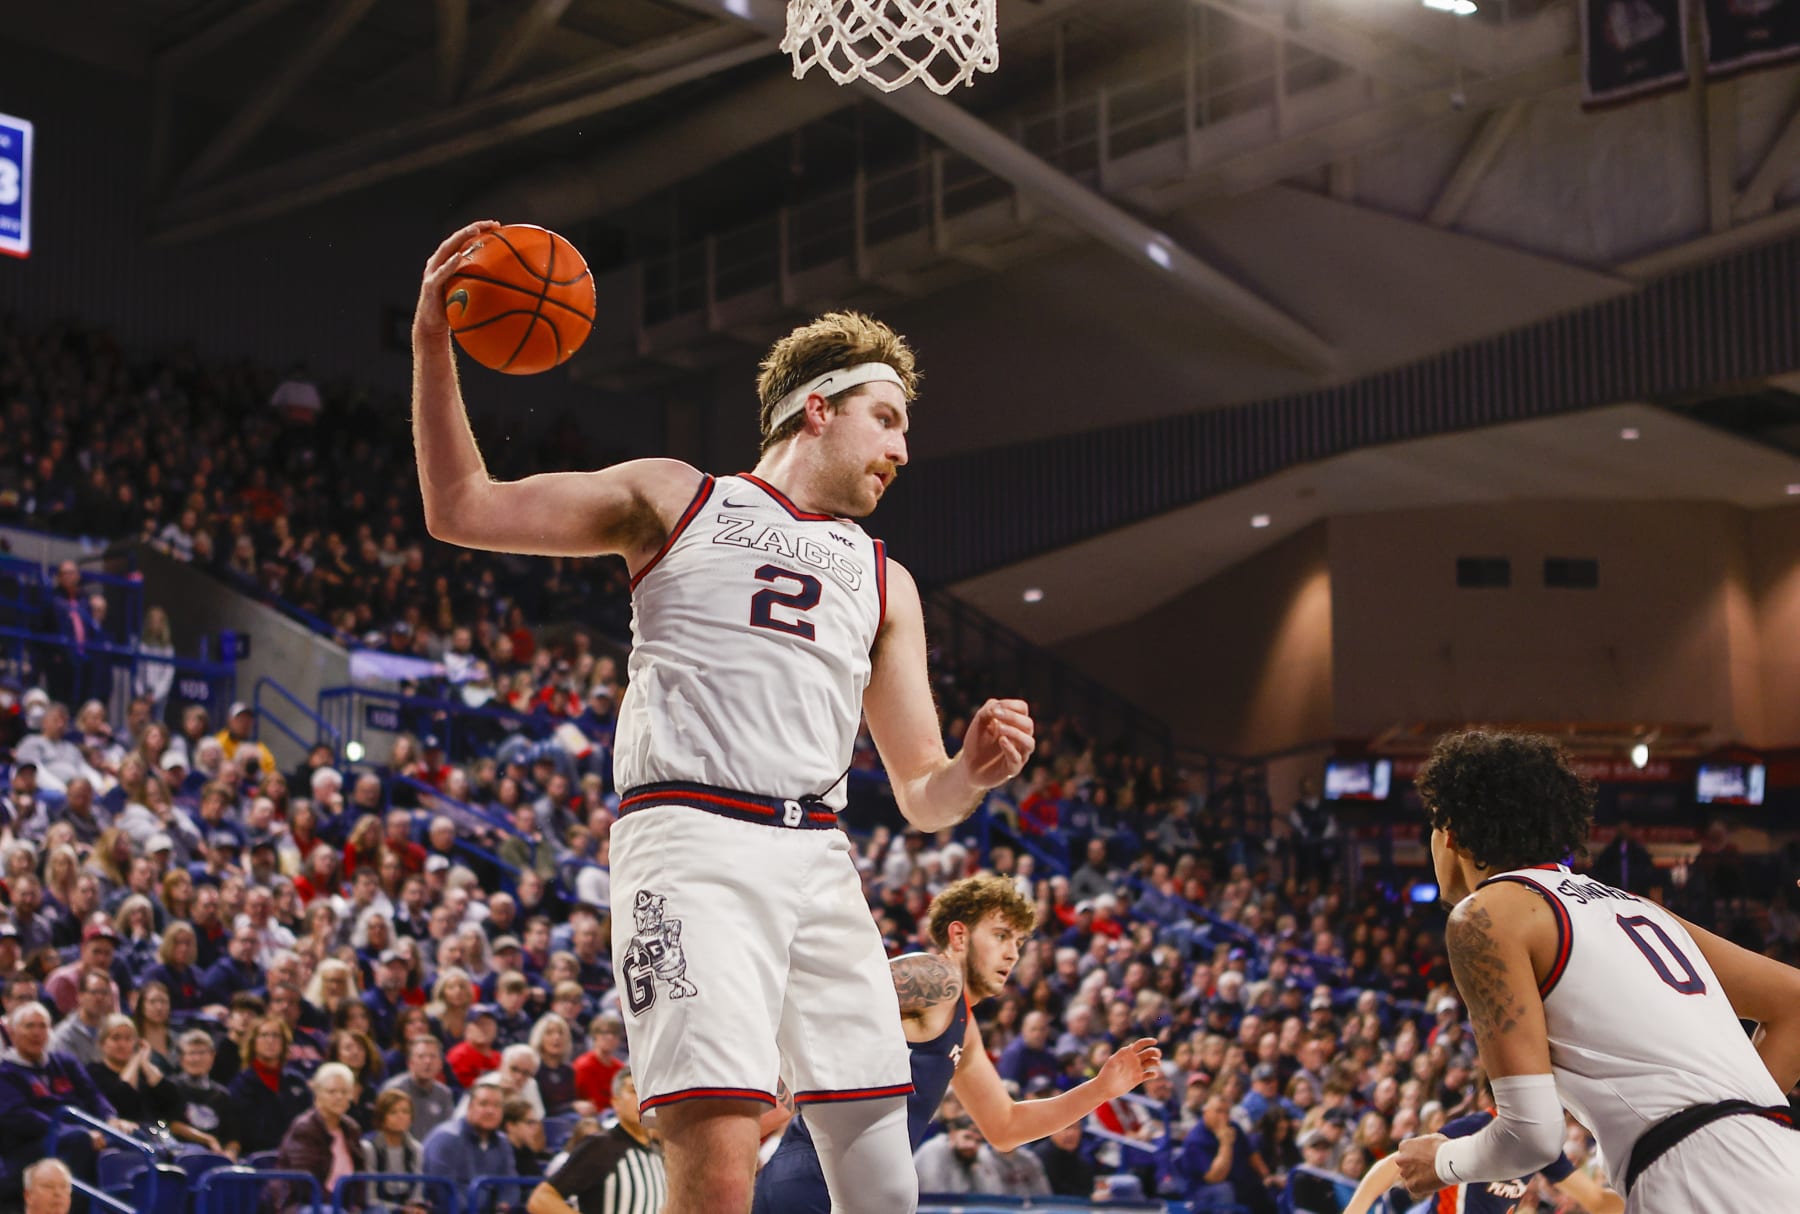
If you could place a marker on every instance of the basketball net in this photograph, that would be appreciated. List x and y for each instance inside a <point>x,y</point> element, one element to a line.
<point>892,43</point>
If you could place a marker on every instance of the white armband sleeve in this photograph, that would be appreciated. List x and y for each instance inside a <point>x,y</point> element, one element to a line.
<point>1525,1135</point>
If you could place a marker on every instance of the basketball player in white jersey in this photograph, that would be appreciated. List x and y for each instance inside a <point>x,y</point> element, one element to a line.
<point>1586,996</point>
<point>765,625</point>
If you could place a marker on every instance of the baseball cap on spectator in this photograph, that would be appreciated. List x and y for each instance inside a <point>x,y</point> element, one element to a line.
<point>99,929</point>
<point>1314,1137</point>
<point>1039,1083</point>
<point>436,864</point>
<point>174,760</point>
<point>1340,1116</point>
<point>158,842</point>
<point>1321,998</point>
<point>222,838</point>
<point>37,696</point>
<point>431,742</point>
<point>502,943</point>
<point>1447,1004</point>
<point>1264,1071</point>
<point>9,931</point>
<point>393,954</point>
<point>484,1009</point>
<point>1197,1080</point>
<point>261,840</point>
<point>239,707</point>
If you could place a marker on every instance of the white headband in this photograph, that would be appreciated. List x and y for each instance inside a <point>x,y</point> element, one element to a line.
<point>841,380</point>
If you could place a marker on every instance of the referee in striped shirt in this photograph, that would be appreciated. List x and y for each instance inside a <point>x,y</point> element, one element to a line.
<point>618,1171</point>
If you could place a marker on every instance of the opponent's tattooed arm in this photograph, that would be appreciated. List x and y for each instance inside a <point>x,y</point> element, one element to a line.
<point>923,982</point>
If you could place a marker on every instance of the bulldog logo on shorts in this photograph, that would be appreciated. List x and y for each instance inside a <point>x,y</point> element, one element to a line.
<point>654,952</point>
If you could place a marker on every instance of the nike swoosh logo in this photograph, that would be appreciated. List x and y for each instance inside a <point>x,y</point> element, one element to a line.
<point>738,505</point>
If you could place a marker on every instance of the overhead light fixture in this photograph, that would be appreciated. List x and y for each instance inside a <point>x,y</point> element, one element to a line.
<point>353,751</point>
<point>1259,521</point>
<point>738,8</point>
<point>1640,756</point>
<point>1794,490</point>
<point>1033,594</point>
<point>1629,434</point>
<point>1460,8</point>
<point>1158,251</point>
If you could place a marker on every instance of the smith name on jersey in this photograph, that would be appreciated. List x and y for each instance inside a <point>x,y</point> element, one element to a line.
<point>752,631</point>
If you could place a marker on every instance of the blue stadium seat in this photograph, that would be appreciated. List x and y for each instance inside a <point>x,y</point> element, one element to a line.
<point>171,1191</point>
<point>117,1169</point>
<point>558,1128</point>
<point>198,1163</point>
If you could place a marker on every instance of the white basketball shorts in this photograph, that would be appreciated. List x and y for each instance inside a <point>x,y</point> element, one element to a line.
<point>745,952</point>
<point>1738,1165</point>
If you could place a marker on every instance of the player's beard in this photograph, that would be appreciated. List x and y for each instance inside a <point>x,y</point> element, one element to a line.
<point>979,980</point>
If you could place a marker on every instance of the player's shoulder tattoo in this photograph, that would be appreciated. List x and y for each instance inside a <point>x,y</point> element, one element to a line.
<point>924,981</point>
<point>1480,970</point>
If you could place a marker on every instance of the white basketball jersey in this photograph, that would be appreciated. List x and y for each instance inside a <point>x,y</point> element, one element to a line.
<point>1639,1025</point>
<point>751,637</point>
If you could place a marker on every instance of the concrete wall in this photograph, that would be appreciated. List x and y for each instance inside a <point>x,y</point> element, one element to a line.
<point>280,649</point>
<point>1653,643</point>
<point>1241,664</point>
<point>1775,566</point>
<point>1357,624</point>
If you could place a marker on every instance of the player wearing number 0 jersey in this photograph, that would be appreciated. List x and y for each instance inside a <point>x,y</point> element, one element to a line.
<point>767,625</point>
<point>1586,996</point>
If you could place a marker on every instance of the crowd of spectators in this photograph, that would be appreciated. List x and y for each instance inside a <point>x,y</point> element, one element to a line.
<point>405,966</point>
<point>292,494</point>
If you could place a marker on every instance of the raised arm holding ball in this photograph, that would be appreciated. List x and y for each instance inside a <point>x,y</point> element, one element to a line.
<point>766,624</point>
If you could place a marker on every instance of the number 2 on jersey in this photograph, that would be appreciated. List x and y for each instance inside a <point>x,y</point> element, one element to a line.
<point>1636,926</point>
<point>764,602</point>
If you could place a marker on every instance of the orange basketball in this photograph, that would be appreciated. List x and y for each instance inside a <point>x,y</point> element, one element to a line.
<point>522,301</point>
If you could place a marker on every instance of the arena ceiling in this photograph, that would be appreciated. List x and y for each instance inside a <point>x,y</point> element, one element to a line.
<point>1235,199</point>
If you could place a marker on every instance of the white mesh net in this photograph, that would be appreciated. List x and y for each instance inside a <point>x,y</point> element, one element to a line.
<point>892,43</point>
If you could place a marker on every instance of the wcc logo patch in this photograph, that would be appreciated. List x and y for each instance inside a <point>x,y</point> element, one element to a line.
<point>654,954</point>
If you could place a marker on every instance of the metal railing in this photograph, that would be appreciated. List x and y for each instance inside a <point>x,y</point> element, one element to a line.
<point>413,1180</point>
<point>353,713</point>
<point>106,671</point>
<point>86,1121</point>
<point>1228,71</point>
<point>213,1191</point>
<point>323,730</point>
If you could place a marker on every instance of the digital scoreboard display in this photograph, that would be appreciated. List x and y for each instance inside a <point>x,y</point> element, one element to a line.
<point>15,186</point>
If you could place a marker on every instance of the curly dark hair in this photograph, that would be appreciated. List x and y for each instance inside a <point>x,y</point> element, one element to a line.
<point>1511,799</point>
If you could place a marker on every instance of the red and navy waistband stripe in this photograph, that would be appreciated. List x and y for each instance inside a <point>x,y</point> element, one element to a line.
<point>843,1095</point>
<point>881,580</point>
<point>729,803</point>
<point>1565,931</point>
<point>656,1102</point>
<point>786,503</point>
<point>687,516</point>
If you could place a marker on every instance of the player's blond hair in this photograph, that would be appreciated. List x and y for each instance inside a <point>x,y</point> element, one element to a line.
<point>833,341</point>
<point>973,899</point>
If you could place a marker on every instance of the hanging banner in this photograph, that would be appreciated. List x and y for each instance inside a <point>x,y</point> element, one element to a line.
<point>1743,34</point>
<point>1630,48</point>
<point>15,186</point>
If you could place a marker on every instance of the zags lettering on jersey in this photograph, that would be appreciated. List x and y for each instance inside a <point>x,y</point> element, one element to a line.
<point>736,532</point>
